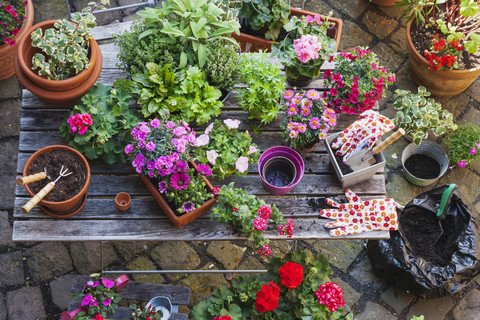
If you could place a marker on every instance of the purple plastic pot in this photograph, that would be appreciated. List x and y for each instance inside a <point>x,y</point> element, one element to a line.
<point>280,168</point>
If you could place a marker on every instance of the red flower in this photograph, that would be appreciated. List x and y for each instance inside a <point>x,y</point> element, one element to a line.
<point>331,295</point>
<point>98,317</point>
<point>291,274</point>
<point>222,318</point>
<point>215,191</point>
<point>8,8</point>
<point>267,297</point>
<point>15,31</point>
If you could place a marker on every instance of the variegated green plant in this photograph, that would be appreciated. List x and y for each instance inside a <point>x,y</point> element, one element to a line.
<point>192,23</point>
<point>65,47</point>
<point>418,114</point>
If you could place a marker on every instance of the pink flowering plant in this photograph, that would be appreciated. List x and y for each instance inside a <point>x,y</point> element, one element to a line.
<point>357,82</point>
<point>250,215</point>
<point>463,145</point>
<point>306,47</point>
<point>12,14</point>
<point>99,296</point>
<point>227,150</point>
<point>160,150</point>
<point>99,125</point>
<point>307,120</point>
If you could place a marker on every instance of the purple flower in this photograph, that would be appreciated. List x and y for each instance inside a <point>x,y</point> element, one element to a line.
<point>144,128</point>
<point>150,146</point>
<point>87,299</point>
<point>151,165</point>
<point>302,128</point>
<point>162,187</point>
<point>141,144</point>
<point>181,166</point>
<point>288,94</point>
<point>179,131</point>
<point>292,109</point>
<point>188,206</point>
<point>151,174</point>
<point>179,181</point>
<point>160,161</point>
<point>155,123</point>
<point>473,151</point>
<point>107,302</point>
<point>305,111</point>
<point>314,123</point>
<point>108,283</point>
<point>128,148</point>
<point>170,124</point>
<point>462,163</point>
<point>478,145</point>
<point>172,158</point>
<point>204,170</point>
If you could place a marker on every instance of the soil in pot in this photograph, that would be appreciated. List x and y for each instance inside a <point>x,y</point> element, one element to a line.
<point>423,166</point>
<point>421,228</point>
<point>346,169</point>
<point>66,187</point>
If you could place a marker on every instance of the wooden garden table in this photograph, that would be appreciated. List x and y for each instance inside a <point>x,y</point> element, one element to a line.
<point>101,221</point>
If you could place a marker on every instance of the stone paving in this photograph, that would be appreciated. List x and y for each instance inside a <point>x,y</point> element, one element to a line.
<point>41,273</point>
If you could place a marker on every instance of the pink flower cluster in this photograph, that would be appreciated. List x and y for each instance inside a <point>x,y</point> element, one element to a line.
<point>307,48</point>
<point>264,212</point>
<point>79,122</point>
<point>316,18</point>
<point>473,151</point>
<point>288,228</point>
<point>9,14</point>
<point>331,295</point>
<point>265,250</point>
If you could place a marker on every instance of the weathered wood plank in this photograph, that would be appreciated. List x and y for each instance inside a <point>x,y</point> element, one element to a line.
<point>101,33</point>
<point>155,230</point>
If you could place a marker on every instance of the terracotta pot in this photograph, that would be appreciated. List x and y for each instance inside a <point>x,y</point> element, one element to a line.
<point>186,218</point>
<point>250,43</point>
<point>385,3</point>
<point>7,53</point>
<point>123,200</point>
<point>58,92</point>
<point>67,208</point>
<point>441,83</point>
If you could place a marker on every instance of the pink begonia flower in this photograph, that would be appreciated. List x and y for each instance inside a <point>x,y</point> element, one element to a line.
<point>212,156</point>
<point>209,128</point>
<point>232,124</point>
<point>462,163</point>
<point>241,164</point>
<point>108,283</point>
<point>202,140</point>
<point>318,18</point>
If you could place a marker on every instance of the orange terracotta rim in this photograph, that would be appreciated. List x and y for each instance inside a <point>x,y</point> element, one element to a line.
<point>79,195</point>
<point>69,213</point>
<point>25,47</point>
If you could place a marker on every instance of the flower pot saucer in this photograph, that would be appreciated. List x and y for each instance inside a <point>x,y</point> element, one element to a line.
<point>67,214</point>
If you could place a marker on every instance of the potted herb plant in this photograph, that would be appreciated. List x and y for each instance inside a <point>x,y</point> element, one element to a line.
<point>16,18</point>
<point>357,82</point>
<point>226,149</point>
<point>441,38</point>
<point>265,87</point>
<point>305,48</point>
<point>100,124</point>
<point>307,120</point>
<point>463,145</point>
<point>249,215</point>
<point>160,153</point>
<point>294,287</point>
<point>59,60</point>
<point>417,115</point>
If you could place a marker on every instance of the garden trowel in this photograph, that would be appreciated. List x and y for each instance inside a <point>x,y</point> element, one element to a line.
<point>364,157</point>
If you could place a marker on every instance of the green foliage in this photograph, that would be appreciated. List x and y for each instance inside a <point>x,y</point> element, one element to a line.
<point>265,87</point>
<point>230,7</point>
<point>460,143</point>
<point>242,217</point>
<point>185,93</point>
<point>222,65</point>
<point>191,23</point>
<point>417,318</point>
<point>139,313</point>
<point>135,54</point>
<point>266,13</point>
<point>112,120</point>
<point>65,47</point>
<point>230,145</point>
<point>417,114</point>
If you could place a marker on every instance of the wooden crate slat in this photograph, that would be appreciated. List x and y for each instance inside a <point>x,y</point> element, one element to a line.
<point>155,230</point>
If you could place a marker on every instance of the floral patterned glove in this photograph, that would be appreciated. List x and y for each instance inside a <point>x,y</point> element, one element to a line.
<point>360,216</point>
<point>363,132</point>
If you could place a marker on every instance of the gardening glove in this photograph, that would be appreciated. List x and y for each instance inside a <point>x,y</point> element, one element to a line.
<point>362,133</point>
<point>358,216</point>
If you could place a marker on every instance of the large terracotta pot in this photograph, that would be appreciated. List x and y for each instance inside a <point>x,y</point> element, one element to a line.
<point>70,207</point>
<point>7,53</point>
<point>58,92</point>
<point>250,43</point>
<point>186,218</point>
<point>442,83</point>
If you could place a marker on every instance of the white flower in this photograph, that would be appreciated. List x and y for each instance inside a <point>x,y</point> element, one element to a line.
<point>232,124</point>
<point>209,128</point>
<point>252,149</point>
<point>242,164</point>
<point>202,140</point>
<point>212,156</point>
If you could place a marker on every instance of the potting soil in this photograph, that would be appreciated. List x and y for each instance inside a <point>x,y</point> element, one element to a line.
<point>421,228</point>
<point>423,166</point>
<point>66,187</point>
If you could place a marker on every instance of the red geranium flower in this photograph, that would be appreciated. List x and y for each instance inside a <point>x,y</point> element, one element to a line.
<point>291,274</point>
<point>267,297</point>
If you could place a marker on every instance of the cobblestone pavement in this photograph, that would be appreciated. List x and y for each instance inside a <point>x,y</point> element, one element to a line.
<point>41,273</point>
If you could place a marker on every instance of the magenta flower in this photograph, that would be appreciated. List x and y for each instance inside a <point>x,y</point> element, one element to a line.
<point>151,165</point>
<point>188,206</point>
<point>478,145</point>
<point>305,111</point>
<point>336,77</point>
<point>144,128</point>
<point>314,123</point>
<point>181,166</point>
<point>313,94</point>
<point>179,181</point>
<point>293,134</point>
<point>204,170</point>
<point>162,187</point>
<point>259,223</point>
<point>83,129</point>
<point>108,283</point>
<point>179,131</point>
<point>318,18</point>
<point>333,92</point>
<point>107,302</point>
<point>473,151</point>
<point>87,299</point>
<point>242,164</point>
<point>170,124</point>
<point>302,128</point>
<point>288,94</point>
<point>292,110</point>
<point>150,146</point>
<point>462,163</point>
<point>155,123</point>
<point>128,148</point>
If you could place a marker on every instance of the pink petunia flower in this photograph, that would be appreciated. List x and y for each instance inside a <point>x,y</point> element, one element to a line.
<point>202,140</point>
<point>232,124</point>
<point>241,164</point>
<point>209,128</point>
<point>212,156</point>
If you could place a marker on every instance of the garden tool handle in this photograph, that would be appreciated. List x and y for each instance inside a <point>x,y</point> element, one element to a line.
<point>36,198</point>
<point>385,143</point>
<point>31,178</point>
<point>446,197</point>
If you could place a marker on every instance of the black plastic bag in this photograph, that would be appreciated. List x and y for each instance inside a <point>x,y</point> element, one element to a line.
<point>394,261</point>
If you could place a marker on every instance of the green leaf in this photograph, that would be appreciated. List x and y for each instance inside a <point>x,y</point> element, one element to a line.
<point>201,55</point>
<point>183,60</point>
<point>174,32</point>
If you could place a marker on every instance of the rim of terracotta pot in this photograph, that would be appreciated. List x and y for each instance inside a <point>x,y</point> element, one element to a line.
<point>52,85</point>
<point>417,56</point>
<point>78,196</point>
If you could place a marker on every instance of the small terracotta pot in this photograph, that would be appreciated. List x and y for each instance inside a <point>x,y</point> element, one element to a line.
<point>441,83</point>
<point>385,3</point>
<point>123,200</point>
<point>7,53</point>
<point>70,207</point>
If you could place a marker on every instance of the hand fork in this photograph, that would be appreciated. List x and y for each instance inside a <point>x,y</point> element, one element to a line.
<point>42,193</point>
